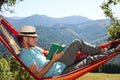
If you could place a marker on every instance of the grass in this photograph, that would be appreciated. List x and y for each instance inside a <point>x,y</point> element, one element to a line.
<point>100,76</point>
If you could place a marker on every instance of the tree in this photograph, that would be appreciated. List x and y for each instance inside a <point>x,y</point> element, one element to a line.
<point>114,28</point>
<point>6,4</point>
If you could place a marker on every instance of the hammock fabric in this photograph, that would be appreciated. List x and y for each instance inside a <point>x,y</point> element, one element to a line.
<point>9,37</point>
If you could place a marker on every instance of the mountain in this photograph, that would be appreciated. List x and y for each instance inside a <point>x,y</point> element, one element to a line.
<point>65,29</point>
<point>45,20</point>
<point>72,20</point>
<point>91,31</point>
<point>13,20</point>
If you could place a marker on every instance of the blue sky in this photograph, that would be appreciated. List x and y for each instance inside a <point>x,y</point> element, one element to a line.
<point>58,8</point>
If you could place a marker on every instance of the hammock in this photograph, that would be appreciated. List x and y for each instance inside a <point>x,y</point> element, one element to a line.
<point>9,37</point>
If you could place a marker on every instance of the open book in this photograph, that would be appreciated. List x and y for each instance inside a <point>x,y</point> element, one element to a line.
<point>53,48</point>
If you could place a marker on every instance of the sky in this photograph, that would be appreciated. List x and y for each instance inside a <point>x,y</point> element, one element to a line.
<point>58,8</point>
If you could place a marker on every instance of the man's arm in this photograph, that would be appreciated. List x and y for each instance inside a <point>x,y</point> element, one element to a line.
<point>41,72</point>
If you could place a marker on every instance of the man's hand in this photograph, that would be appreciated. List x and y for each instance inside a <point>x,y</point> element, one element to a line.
<point>56,56</point>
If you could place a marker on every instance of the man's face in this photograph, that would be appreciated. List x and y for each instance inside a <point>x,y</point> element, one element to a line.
<point>31,41</point>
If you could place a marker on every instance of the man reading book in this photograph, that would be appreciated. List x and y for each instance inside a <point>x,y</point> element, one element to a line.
<point>60,63</point>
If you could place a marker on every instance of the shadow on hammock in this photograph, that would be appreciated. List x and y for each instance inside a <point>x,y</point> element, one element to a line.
<point>9,37</point>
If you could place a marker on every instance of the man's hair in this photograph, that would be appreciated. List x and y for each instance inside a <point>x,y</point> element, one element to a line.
<point>21,38</point>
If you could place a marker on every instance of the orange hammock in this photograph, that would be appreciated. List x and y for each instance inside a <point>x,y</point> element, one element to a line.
<point>9,37</point>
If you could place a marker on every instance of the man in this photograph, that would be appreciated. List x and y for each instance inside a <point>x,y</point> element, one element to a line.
<point>60,63</point>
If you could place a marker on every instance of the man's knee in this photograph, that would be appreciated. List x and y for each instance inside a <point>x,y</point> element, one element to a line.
<point>77,41</point>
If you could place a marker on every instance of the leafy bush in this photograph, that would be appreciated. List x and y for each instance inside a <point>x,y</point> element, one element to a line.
<point>111,68</point>
<point>10,69</point>
<point>5,73</point>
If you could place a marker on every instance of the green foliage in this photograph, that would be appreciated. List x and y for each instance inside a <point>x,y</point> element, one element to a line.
<point>110,68</point>
<point>8,3</point>
<point>10,69</point>
<point>114,28</point>
<point>5,73</point>
<point>114,32</point>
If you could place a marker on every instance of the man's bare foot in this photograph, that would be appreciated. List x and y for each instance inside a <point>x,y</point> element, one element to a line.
<point>118,48</point>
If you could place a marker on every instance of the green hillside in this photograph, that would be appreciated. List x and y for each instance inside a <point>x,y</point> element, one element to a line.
<point>100,76</point>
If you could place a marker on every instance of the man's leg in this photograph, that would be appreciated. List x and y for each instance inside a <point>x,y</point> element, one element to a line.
<point>88,60</point>
<point>70,53</point>
<point>94,58</point>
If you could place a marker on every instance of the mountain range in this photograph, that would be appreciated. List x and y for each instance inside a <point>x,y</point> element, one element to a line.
<point>64,30</point>
<point>45,20</point>
<point>71,26</point>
